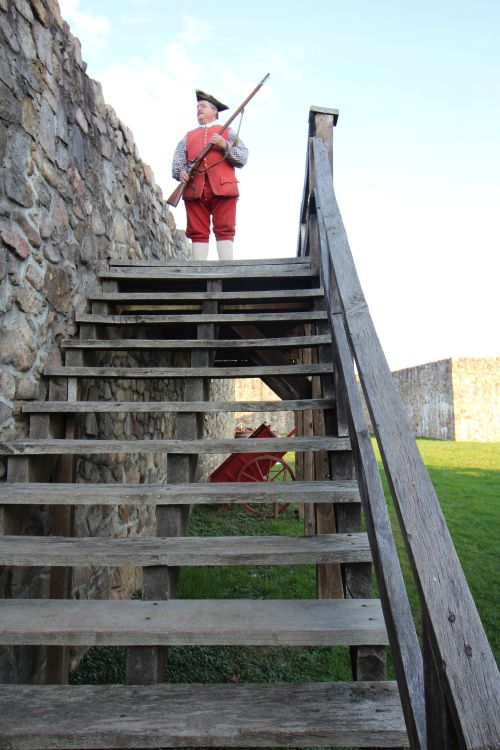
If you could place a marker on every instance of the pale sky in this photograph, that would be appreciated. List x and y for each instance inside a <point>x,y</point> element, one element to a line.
<point>417,155</point>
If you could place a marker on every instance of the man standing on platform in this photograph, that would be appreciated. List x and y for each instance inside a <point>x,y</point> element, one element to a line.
<point>212,189</point>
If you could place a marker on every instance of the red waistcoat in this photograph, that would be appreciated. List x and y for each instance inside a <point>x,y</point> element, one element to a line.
<point>220,174</point>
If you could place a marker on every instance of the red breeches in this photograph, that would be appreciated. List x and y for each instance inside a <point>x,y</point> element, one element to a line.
<point>221,209</point>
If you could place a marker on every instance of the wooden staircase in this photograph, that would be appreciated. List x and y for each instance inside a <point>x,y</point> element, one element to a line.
<point>204,310</point>
<point>302,325</point>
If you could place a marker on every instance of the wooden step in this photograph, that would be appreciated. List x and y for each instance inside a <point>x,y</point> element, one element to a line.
<point>81,717</point>
<point>247,371</point>
<point>150,344</point>
<point>215,264</point>
<point>84,407</point>
<point>216,493</point>
<point>43,447</point>
<point>195,319</point>
<point>290,270</point>
<point>187,551</point>
<point>266,295</point>
<point>196,622</point>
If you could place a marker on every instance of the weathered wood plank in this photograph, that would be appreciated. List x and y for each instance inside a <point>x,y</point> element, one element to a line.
<point>149,344</point>
<point>214,264</point>
<point>29,447</point>
<point>189,551</point>
<point>188,372</point>
<point>181,494</point>
<point>186,622</point>
<point>224,272</point>
<point>468,671</point>
<point>190,296</point>
<point>96,717</point>
<point>82,407</point>
<point>190,319</point>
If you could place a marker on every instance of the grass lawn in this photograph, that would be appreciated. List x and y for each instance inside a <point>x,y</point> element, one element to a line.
<point>466,477</point>
<point>467,480</point>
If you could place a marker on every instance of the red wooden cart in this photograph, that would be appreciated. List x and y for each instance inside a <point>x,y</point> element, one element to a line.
<point>257,467</point>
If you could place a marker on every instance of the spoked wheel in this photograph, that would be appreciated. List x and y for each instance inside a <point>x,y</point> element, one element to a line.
<point>266,468</point>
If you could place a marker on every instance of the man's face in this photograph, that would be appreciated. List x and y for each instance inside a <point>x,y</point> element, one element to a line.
<point>205,112</point>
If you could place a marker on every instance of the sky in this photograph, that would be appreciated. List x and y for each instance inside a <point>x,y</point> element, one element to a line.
<point>416,147</point>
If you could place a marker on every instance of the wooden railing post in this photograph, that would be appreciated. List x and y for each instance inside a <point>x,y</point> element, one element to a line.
<point>321,124</point>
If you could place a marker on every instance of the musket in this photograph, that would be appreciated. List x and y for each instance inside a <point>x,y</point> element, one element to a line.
<point>177,194</point>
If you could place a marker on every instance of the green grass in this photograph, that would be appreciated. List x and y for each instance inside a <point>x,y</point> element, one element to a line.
<point>466,477</point>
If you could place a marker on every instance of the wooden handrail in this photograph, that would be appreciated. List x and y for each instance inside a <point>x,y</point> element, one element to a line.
<point>464,712</point>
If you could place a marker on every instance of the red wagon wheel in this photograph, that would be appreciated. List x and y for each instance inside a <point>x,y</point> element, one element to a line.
<point>266,468</point>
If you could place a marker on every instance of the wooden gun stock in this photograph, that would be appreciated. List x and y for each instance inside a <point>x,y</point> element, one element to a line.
<point>174,199</point>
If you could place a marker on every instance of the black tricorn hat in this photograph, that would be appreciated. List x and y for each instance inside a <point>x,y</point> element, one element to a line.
<point>202,95</point>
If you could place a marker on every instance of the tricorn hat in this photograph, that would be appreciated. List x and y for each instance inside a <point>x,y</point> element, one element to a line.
<point>202,95</point>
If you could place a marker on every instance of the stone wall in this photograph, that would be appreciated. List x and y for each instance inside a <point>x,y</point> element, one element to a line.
<point>74,193</point>
<point>427,393</point>
<point>453,399</point>
<point>476,396</point>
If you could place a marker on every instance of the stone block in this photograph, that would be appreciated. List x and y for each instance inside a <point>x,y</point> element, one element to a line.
<point>7,296</point>
<point>43,43</point>
<point>17,341</point>
<point>47,132</point>
<point>10,36</point>
<point>81,120</point>
<point>59,287</point>
<point>14,240</point>
<point>29,301</point>
<point>7,384</point>
<point>10,107</point>
<point>24,9</point>
<point>76,148</point>
<point>25,38</point>
<point>62,159</point>
<point>35,275</point>
<point>30,118</point>
<point>26,388</point>
<point>105,147</point>
<point>59,213</point>
<point>40,12</point>
<point>17,187</point>
<point>62,125</point>
<point>29,230</point>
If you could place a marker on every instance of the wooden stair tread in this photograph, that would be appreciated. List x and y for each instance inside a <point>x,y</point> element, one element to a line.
<point>247,371</point>
<point>215,264</point>
<point>192,622</point>
<point>42,446</point>
<point>187,551</point>
<point>268,295</point>
<point>195,318</point>
<point>209,272</point>
<point>83,407</point>
<point>47,493</point>
<point>264,343</point>
<point>81,717</point>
